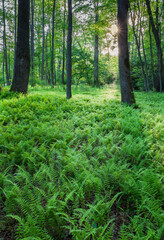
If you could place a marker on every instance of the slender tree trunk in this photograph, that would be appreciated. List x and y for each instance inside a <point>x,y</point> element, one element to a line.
<point>22,59</point>
<point>139,53</point>
<point>46,60</point>
<point>63,66</point>
<point>9,64</point>
<point>160,82</point>
<point>43,41</point>
<point>151,54</point>
<point>52,50</point>
<point>4,43</point>
<point>69,50</point>
<point>96,51</point>
<point>157,17</point>
<point>4,72</point>
<point>127,95</point>
<point>143,48</point>
<point>32,42</point>
<point>15,27</point>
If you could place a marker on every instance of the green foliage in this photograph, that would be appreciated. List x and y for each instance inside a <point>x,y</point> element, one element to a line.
<point>87,168</point>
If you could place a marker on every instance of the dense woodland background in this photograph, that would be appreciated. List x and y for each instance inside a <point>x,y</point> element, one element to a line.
<point>90,19</point>
<point>87,167</point>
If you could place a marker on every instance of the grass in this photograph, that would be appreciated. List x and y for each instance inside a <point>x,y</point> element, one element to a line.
<point>85,168</point>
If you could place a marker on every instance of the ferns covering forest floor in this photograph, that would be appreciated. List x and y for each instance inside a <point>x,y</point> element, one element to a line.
<point>85,168</point>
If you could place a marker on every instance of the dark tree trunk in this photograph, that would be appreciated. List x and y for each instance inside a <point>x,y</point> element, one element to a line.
<point>22,59</point>
<point>52,50</point>
<point>4,71</point>
<point>151,54</point>
<point>32,42</point>
<point>127,95</point>
<point>4,44</point>
<point>159,83</point>
<point>96,51</point>
<point>9,72</point>
<point>69,50</point>
<point>43,41</point>
<point>46,60</point>
<point>63,67</point>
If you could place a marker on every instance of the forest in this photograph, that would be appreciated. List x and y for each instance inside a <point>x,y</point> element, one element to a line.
<point>81,120</point>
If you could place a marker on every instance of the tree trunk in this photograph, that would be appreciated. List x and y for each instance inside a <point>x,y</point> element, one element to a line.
<point>151,54</point>
<point>96,51</point>
<point>15,26</point>
<point>4,43</point>
<point>69,50</point>
<point>63,67</point>
<point>127,95</point>
<point>4,72</point>
<point>139,53</point>
<point>43,41</point>
<point>159,83</point>
<point>52,50</point>
<point>46,60</point>
<point>22,59</point>
<point>143,48</point>
<point>32,42</point>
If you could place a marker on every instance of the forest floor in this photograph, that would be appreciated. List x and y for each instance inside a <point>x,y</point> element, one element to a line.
<point>84,168</point>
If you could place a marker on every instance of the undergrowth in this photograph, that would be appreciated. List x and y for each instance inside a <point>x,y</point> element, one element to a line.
<point>85,168</point>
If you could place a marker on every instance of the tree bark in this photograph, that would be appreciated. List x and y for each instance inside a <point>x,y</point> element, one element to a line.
<point>15,27</point>
<point>69,50</point>
<point>159,83</point>
<point>4,43</point>
<point>46,73</point>
<point>139,53</point>
<point>127,95</point>
<point>96,50</point>
<point>43,41</point>
<point>4,72</point>
<point>32,42</point>
<point>151,54</point>
<point>52,50</point>
<point>63,66</point>
<point>22,59</point>
<point>143,48</point>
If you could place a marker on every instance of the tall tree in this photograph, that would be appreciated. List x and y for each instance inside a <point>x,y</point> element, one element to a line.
<point>32,42</point>
<point>15,26</point>
<point>143,46</point>
<point>69,50</point>
<point>63,65</point>
<point>160,82</point>
<point>22,58</point>
<point>96,50</point>
<point>43,40</point>
<point>52,50</point>
<point>4,43</point>
<point>127,95</point>
<point>151,55</point>
<point>138,50</point>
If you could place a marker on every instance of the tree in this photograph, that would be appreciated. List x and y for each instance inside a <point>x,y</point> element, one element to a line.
<point>4,43</point>
<point>32,42</point>
<point>138,46</point>
<point>96,47</point>
<point>158,84</point>
<point>69,50</point>
<point>127,95</point>
<point>43,40</point>
<point>22,57</point>
<point>63,65</point>
<point>52,54</point>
